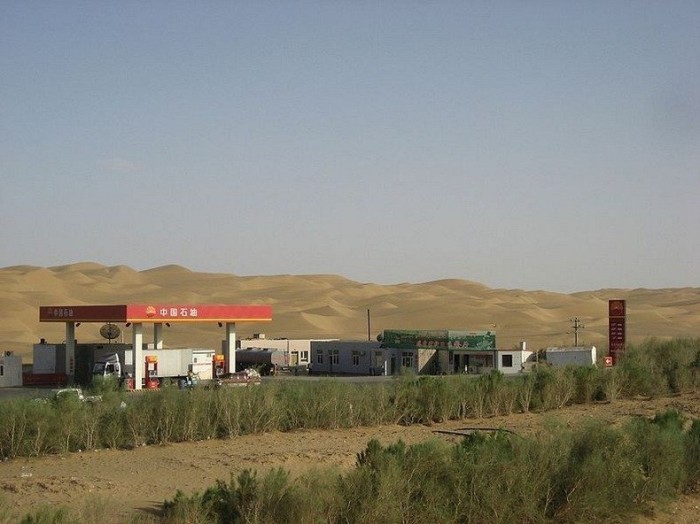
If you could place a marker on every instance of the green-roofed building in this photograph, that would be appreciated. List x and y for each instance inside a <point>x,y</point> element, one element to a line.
<point>441,351</point>
<point>439,339</point>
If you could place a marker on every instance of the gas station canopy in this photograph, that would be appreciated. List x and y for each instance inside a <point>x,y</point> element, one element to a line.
<point>136,315</point>
<point>132,313</point>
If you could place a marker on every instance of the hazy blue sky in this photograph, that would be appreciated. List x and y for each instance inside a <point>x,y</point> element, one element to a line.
<point>525,144</point>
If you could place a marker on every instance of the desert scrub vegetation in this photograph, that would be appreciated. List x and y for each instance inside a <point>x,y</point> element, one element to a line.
<point>124,420</point>
<point>595,473</point>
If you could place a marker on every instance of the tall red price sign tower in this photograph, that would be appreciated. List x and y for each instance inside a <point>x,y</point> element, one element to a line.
<point>617,333</point>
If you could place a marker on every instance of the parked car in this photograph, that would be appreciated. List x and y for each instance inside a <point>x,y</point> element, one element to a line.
<point>65,394</point>
<point>247,377</point>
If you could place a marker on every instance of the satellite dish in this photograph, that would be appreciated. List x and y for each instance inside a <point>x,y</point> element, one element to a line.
<point>110,331</point>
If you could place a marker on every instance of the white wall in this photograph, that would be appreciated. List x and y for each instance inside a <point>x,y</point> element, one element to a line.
<point>354,358</point>
<point>49,358</point>
<point>10,371</point>
<point>518,358</point>
<point>298,350</point>
<point>567,356</point>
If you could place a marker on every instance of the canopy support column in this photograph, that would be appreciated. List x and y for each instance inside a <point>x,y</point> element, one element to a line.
<point>137,352</point>
<point>158,335</point>
<point>230,347</point>
<point>70,351</point>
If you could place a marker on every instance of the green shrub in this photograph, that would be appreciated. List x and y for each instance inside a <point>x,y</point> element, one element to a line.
<point>15,424</point>
<point>660,447</point>
<point>185,509</point>
<point>433,400</point>
<point>525,387</point>
<point>692,455</point>
<point>599,480</point>
<point>597,473</point>
<point>247,499</point>
<point>50,515</point>
<point>588,384</point>
<point>7,514</point>
<point>612,383</point>
<point>640,376</point>
<point>657,367</point>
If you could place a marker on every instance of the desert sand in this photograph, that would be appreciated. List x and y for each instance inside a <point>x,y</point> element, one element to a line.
<point>330,306</point>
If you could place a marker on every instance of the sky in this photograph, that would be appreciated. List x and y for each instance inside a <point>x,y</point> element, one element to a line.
<point>530,145</point>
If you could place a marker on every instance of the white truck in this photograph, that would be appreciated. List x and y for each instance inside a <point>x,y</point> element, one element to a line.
<point>181,365</point>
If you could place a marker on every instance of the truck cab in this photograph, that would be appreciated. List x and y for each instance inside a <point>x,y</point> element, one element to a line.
<point>108,366</point>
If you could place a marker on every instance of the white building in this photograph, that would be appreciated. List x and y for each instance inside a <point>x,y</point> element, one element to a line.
<point>297,351</point>
<point>571,356</point>
<point>369,358</point>
<point>349,358</point>
<point>512,361</point>
<point>10,370</point>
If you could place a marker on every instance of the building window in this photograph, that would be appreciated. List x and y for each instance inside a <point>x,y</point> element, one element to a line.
<point>304,356</point>
<point>506,361</point>
<point>355,358</point>
<point>2,370</point>
<point>407,359</point>
<point>334,357</point>
<point>319,358</point>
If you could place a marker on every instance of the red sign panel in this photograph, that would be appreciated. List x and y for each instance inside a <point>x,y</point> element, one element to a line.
<point>617,308</point>
<point>197,313</point>
<point>156,313</point>
<point>617,333</point>
<point>82,314</point>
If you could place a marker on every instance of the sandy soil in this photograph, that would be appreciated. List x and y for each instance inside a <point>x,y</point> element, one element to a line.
<point>143,478</point>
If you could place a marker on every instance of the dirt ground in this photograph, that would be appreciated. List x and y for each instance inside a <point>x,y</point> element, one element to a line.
<point>143,478</point>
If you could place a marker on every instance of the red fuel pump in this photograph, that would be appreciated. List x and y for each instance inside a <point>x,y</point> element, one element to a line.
<point>219,364</point>
<point>151,372</point>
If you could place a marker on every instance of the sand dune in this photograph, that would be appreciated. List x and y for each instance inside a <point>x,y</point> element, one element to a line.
<point>326,306</point>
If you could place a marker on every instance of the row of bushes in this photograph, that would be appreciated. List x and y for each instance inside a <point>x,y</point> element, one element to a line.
<point>29,428</point>
<point>593,474</point>
<point>596,474</point>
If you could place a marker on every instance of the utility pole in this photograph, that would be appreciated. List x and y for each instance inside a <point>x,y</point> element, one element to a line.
<point>576,326</point>
<point>369,326</point>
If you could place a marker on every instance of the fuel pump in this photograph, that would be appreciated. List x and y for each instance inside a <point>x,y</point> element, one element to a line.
<point>151,374</point>
<point>219,364</point>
